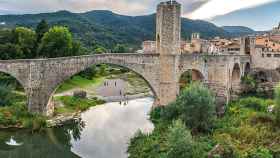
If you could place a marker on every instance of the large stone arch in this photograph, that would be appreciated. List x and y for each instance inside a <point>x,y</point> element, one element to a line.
<point>143,65</point>
<point>140,75</point>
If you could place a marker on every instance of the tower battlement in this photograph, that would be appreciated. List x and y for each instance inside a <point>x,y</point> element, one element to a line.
<point>168,28</point>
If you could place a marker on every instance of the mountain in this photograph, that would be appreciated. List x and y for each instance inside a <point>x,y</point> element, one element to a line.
<point>107,28</point>
<point>238,30</point>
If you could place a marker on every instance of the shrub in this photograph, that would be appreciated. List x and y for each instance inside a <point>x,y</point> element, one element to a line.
<point>197,107</point>
<point>179,141</point>
<point>74,103</point>
<point>250,83</point>
<point>253,103</point>
<point>262,118</point>
<point>259,153</point>
<point>277,102</point>
<point>6,94</point>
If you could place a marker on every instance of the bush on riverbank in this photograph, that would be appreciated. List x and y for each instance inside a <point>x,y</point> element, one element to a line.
<point>195,106</point>
<point>73,104</point>
<point>248,130</point>
<point>17,116</point>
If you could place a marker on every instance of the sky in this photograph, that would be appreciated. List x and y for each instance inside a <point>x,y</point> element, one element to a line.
<point>221,12</point>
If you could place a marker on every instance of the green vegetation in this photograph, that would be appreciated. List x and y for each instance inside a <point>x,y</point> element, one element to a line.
<point>247,130</point>
<point>57,42</point>
<point>23,43</point>
<point>277,102</point>
<point>73,104</point>
<point>6,94</point>
<point>14,112</point>
<point>79,82</point>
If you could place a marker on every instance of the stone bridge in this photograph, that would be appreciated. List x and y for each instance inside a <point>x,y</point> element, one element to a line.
<point>41,77</point>
<point>162,70</point>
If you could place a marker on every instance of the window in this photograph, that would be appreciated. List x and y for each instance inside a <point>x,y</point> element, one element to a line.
<point>263,55</point>
<point>277,55</point>
<point>268,55</point>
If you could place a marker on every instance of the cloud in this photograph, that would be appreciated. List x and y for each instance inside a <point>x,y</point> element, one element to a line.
<point>215,8</point>
<point>196,9</point>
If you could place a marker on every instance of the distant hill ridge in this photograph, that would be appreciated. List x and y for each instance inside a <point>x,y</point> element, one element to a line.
<point>108,28</point>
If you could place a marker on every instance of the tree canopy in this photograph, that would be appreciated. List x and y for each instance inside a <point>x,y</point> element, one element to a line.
<point>57,42</point>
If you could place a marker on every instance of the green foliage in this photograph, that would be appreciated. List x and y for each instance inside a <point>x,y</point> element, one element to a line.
<point>260,153</point>
<point>196,107</point>
<point>89,73</point>
<point>99,49</point>
<point>179,141</point>
<point>78,104</point>
<point>6,94</point>
<point>167,141</point>
<point>41,29</point>
<point>185,79</point>
<point>120,48</point>
<point>17,115</point>
<point>257,104</point>
<point>57,42</point>
<point>26,39</point>
<point>277,102</point>
<point>17,43</point>
<point>251,84</point>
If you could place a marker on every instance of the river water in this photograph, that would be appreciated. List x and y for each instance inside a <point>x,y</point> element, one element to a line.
<point>103,132</point>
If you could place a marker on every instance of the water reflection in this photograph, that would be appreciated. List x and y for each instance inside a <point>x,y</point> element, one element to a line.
<point>103,132</point>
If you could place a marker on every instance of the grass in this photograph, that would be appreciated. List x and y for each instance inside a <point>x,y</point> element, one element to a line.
<point>73,104</point>
<point>80,82</point>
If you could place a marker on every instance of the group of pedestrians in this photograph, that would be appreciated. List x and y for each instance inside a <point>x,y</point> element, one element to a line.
<point>124,99</point>
<point>106,83</point>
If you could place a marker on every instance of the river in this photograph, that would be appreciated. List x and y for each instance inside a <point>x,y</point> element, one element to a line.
<point>103,132</point>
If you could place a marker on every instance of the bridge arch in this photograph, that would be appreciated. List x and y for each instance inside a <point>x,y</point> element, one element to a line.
<point>139,70</point>
<point>236,73</point>
<point>190,75</point>
<point>247,69</point>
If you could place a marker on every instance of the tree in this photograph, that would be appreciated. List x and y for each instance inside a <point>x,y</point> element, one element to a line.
<point>77,48</point>
<point>17,43</point>
<point>10,51</point>
<point>26,39</point>
<point>57,42</point>
<point>179,141</point>
<point>120,48</point>
<point>99,50</point>
<point>41,29</point>
<point>196,106</point>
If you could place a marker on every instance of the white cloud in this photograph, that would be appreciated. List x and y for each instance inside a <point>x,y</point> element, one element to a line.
<point>221,7</point>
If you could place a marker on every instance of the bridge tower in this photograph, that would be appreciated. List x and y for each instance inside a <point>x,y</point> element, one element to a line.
<point>168,43</point>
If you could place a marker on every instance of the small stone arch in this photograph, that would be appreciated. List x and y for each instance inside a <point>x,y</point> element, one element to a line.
<point>236,73</point>
<point>190,75</point>
<point>247,69</point>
